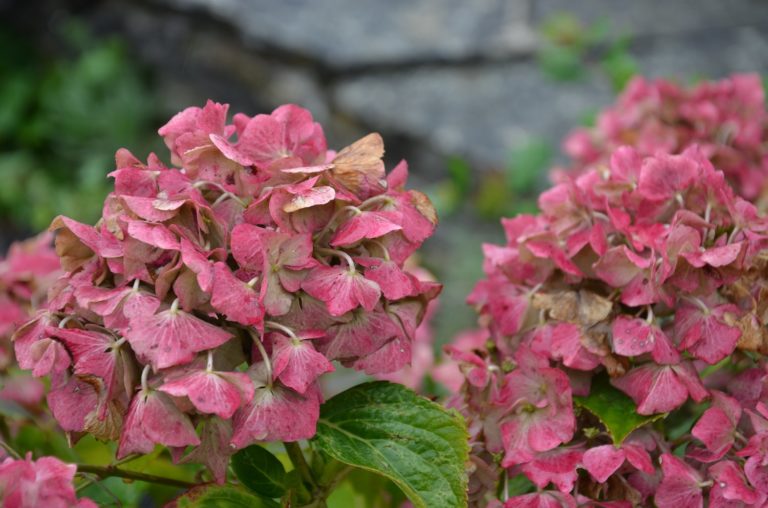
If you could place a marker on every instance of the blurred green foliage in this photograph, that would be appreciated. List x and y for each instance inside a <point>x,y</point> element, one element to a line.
<point>495,193</point>
<point>61,121</point>
<point>570,48</point>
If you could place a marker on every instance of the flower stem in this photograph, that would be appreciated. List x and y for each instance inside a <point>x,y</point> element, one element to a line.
<point>300,463</point>
<point>263,352</point>
<point>341,254</point>
<point>108,471</point>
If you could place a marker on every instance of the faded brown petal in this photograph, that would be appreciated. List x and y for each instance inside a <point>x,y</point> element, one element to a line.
<point>593,308</point>
<point>359,166</point>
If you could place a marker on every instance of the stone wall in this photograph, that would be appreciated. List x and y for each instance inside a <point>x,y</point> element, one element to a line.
<point>436,77</point>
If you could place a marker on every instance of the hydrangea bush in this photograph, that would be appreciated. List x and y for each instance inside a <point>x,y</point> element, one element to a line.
<point>201,310</point>
<point>620,360</point>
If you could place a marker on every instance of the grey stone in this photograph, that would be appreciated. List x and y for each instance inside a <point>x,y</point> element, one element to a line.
<point>654,17</point>
<point>478,112</point>
<point>704,55</point>
<point>343,33</point>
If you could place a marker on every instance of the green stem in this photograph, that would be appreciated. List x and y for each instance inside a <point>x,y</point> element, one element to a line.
<point>107,471</point>
<point>300,463</point>
<point>322,493</point>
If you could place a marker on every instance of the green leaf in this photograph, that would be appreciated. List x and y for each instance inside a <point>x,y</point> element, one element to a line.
<point>388,429</point>
<point>619,64</point>
<point>526,163</point>
<point>260,471</point>
<point>614,409</point>
<point>460,172</point>
<point>222,497</point>
<point>519,485</point>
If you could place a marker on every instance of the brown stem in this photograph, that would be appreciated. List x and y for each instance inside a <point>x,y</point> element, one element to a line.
<point>107,471</point>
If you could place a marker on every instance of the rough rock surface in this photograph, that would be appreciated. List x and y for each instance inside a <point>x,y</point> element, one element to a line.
<point>436,77</point>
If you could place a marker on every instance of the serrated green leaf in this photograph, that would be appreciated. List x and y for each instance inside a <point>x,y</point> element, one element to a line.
<point>222,497</point>
<point>260,471</point>
<point>388,429</point>
<point>614,409</point>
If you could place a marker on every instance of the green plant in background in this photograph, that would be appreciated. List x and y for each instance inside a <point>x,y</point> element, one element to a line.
<point>60,120</point>
<point>509,190</point>
<point>570,49</point>
<point>513,190</point>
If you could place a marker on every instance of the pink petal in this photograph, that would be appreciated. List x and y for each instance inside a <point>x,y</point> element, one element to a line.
<point>309,198</point>
<point>394,282</point>
<point>49,357</point>
<point>706,335</point>
<point>234,298</point>
<point>654,388</point>
<point>603,461</point>
<point>276,413</point>
<point>154,419</point>
<point>296,363</point>
<point>638,456</point>
<point>391,357</point>
<point>543,499</point>
<point>566,345</point>
<point>72,403</point>
<point>366,225</point>
<point>558,466</point>
<point>663,176</point>
<point>211,392</point>
<point>153,209</point>
<point>680,485</point>
<point>155,235</point>
<point>730,483</point>
<point>716,428</point>
<point>362,335</point>
<point>172,337</point>
<point>618,266</point>
<point>214,450</point>
<point>247,246</point>
<point>92,352</point>
<point>341,289</point>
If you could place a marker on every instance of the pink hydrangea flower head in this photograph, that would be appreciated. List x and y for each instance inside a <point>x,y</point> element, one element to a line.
<point>200,312</point>
<point>726,118</point>
<point>642,283</point>
<point>27,483</point>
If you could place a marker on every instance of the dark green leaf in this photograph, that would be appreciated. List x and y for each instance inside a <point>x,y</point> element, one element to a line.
<point>519,485</point>
<point>614,409</point>
<point>388,429</point>
<point>260,471</point>
<point>222,497</point>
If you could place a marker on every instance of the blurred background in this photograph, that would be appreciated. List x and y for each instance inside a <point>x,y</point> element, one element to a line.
<point>476,94</point>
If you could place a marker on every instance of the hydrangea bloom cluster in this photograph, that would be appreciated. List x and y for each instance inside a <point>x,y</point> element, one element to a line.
<point>650,272</point>
<point>26,273</point>
<point>27,483</point>
<point>199,312</point>
<point>727,119</point>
